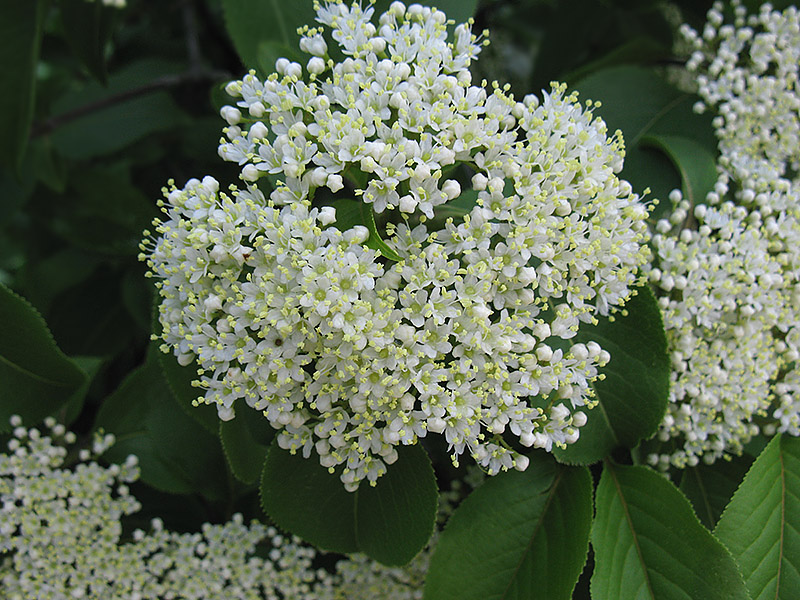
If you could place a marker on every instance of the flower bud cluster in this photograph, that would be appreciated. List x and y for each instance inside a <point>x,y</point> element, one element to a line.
<point>61,537</point>
<point>729,270</point>
<point>457,319</point>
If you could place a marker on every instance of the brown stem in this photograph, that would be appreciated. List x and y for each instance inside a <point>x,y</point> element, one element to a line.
<point>161,83</point>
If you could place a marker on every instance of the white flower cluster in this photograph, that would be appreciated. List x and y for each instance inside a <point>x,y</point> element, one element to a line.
<point>353,340</point>
<point>61,539</point>
<point>729,270</point>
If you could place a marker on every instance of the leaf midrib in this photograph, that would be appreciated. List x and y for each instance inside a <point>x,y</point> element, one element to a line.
<point>656,117</point>
<point>33,375</point>
<point>635,537</point>
<point>281,22</point>
<point>704,495</point>
<point>783,524</point>
<point>550,495</point>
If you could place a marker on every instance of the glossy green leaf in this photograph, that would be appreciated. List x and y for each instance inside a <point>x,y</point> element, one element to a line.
<point>251,22</point>
<point>175,453</point>
<point>245,440</point>
<point>640,103</point>
<point>20,40</point>
<point>633,396</point>
<point>761,525</point>
<point>87,28</point>
<point>709,487</point>
<point>696,165</point>
<point>518,536</point>
<point>350,213</point>
<point>389,522</point>
<point>649,544</point>
<point>37,378</point>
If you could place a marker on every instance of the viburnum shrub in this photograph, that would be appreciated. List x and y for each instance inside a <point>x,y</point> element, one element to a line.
<point>408,254</point>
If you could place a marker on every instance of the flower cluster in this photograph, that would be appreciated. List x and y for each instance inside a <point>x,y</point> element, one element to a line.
<point>61,537</point>
<point>426,252</point>
<point>729,270</point>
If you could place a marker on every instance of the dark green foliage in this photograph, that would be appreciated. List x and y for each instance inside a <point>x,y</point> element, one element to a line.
<point>175,453</point>
<point>761,525</point>
<point>389,522</point>
<point>20,36</point>
<point>37,378</point>
<point>100,107</point>
<point>649,544</point>
<point>633,396</point>
<point>519,535</point>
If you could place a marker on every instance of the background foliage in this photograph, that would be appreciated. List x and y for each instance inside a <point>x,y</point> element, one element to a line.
<point>100,107</point>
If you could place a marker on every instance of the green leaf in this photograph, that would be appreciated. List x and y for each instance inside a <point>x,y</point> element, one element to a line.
<point>245,440</point>
<point>350,213</point>
<point>87,29</point>
<point>20,42</point>
<point>179,381</point>
<point>87,124</point>
<point>761,525</point>
<point>649,544</point>
<point>175,453</point>
<point>518,536</point>
<point>88,220</point>
<point>269,51</point>
<point>633,396</point>
<point>37,378</point>
<point>697,166</point>
<point>710,487</point>
<point>90,319</point>
<point>638,102</point>
<point>389,522</point>
<point>251,22</point>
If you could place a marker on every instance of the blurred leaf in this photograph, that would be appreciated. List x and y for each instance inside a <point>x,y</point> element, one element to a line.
<point>20,41</point>
<point>638,50</point>
<point>44,280</point>
<point>582,36</point>
<point>648,543</point>
<point>37,378</point>
<point>761,525</point>
<point>640,103</point>
<point>269,51</point>
<point>390,522</point>
<point>350,213</point>
<point>251,22</point>
<point>47,164</point>
<point>710,487</point>
<point>175,453</point>
<point>697,166</point>
<point>138,111</point>
<point>90,219</point>
<point>87,29</point>
<point>518,536</point>
<point>245,440</point>
<point>633,396</point>
<point>90,319</point>
<point>137,294</point>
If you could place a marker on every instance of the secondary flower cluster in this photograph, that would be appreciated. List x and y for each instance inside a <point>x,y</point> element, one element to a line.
<point>729,270</point>
<point>501,227</point>
<point>61,537</point>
